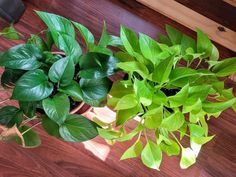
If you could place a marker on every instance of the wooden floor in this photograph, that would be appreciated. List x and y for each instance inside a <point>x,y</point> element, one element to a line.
<point>95,158</point>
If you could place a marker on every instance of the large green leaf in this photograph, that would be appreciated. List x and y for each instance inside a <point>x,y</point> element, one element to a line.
<point>180,98</point>
<point>133,151</point>
<point>120,89</point>
<point>173,122</point>
<point>51,127</point>
<point>69,45</point>
<point>108,134</point>
<point>225,67</point>
<point>28,108</point>
<point>129,136</point>
<point>22,56</point>
<point>199,92</point>
<point>218,106</point>
<point>133,66</point>
<point>127,102</point>
<point>149,48</point>
<point>57,23</point>
<point>97,66</point>
<point>169,146</point>
<point>182,76</point>
<point>32,86</point>
<point>86,34</point>
<point>62,71</point>
<point>77,128</point>
<point>174,34</point>
<point>203,44</point>
<point>57,107</point>
<point>125,114</point>
<point>95,89</point>
<point>188,158</point>
<point>153,118</point>
<point>164,39</point>
<point>100,49</point>
<point>10,77</point>
<point>151,155</point>
<point>37,41</point>
<point>10,115</point>
<point>105,38</point>
<point>31,138</point>
<point>143,92</point>
<point>130,40</point>
<point>186,43</point>
<point>73,90</point>
<point>162,71</point>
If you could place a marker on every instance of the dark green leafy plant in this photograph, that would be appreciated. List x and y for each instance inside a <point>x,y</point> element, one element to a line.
<point>171,93</point>
<point>173,87</point>
<point>52,83</point>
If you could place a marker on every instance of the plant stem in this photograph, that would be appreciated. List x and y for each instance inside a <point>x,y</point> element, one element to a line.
<point>139,135</point>
<point>31,128</point>
<point>29,119</point>
<point>183,133</point>
<point>3,101</point>
<point>145,134</point>
<point>176,139</point>
<point>199,62</point>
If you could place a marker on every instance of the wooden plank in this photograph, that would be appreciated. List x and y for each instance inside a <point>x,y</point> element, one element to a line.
<point>217,10</point>
<point>194,20</point>
<point>231,2</point>
<point>95,158</point>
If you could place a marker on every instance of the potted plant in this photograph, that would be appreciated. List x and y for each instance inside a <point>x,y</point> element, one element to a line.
<point>52,79</point>
<point>173,87</point>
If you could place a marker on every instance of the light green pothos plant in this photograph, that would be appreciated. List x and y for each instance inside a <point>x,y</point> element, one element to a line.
<point>170,91</point>
<point>165,85</point>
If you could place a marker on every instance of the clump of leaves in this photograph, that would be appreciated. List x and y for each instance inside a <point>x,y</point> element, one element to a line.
<point>173,95</point>
<point>44,80</point>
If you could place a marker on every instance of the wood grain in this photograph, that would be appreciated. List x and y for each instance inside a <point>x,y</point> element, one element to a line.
<point>231,2</point>
<point>95,158</point>
<point>218,10</point>
<point>194,20</point>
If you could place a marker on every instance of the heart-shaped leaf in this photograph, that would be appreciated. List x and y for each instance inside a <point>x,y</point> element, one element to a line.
<point>57,23</point>
<point>28,108</point>
<point>51,127</point>
<point>95,89</point>
<point>151,155</point>
<point>173,122</point>
<point>133,151</point>
<point>97,66</point>
<point>22,56</point>
<point>143,92</point>
<point>37,41</point>
<point>10,76</point>
<point>86,34</point>
<point>62,71</point>
<point>130,40</point>
<point>57,107</point>
<point>77,128</point>
<point>188,158</point>
<point>32,86</point>
<point>31,138</point>
<point>10,115</point>
<point>153,118</point>
<point>73,90</point>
